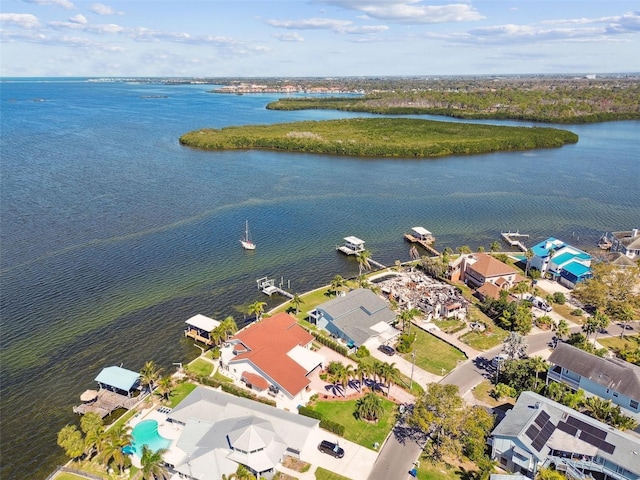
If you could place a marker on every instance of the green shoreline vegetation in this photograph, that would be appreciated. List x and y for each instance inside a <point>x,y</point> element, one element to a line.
<point>379,137</point>
<point>547,101</point>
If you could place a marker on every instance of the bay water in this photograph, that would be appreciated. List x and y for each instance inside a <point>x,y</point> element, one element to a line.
<point>112,234</point>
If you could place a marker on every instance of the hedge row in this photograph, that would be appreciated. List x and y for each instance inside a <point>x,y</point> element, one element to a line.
<point>234,390</point>
<point>328,425</point>
<point>327,342</point>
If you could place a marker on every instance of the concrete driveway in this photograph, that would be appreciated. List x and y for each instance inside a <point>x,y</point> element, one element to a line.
<point>356,464</point>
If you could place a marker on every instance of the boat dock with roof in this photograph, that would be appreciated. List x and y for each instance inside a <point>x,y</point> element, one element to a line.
<point>422,237</point>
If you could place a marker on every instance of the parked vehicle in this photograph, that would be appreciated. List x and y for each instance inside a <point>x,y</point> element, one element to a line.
<point>387,350</point>
<point>541,304</point>
<point>331,448</point>
<point>498,360</point>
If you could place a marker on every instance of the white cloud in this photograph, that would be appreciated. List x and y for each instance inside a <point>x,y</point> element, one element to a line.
<point>337,26</point>
<point>289,37</point>
<point>409,12</point>
<point>60,3</point>
<point>81,19</point>
<point>24,20</point>
<point>102,9</point>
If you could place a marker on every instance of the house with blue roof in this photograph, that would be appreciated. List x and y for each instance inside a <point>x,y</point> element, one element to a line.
<point>564,263</point>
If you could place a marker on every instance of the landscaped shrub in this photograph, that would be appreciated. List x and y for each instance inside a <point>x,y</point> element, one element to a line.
<point>362,352</point>
<point>577,312</point>
<point>559,298</point>
<point>332,427</point>
<point>328,342</point>
<point>308,412</point>
<point>405,343</point>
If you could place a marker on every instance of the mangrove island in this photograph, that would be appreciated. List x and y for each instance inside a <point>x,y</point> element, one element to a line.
<point>379,137</point>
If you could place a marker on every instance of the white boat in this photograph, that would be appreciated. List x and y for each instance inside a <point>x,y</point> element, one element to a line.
<point>246,242</point>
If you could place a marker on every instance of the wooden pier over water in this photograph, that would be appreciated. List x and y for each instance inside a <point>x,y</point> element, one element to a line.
<point>268,287</point>
<point>512,238</point>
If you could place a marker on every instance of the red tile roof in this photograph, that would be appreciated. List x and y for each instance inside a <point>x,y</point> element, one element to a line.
<point>255,380</point>
<point>268,342</point>
<point>489,290</point>
<point>489,267</point>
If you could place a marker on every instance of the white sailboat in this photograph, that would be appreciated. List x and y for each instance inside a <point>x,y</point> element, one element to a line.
<point>246,242</point>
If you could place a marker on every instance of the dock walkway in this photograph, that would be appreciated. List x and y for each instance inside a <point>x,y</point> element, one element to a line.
<point>423,243</point>
<point>512,239</point>
<point>268,287</point>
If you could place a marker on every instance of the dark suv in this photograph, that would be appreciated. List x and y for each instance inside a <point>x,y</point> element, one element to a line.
<point>386,349</point>
<point>331,448</point>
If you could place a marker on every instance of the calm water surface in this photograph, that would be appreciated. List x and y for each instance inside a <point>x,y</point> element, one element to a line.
<point>112,234</point>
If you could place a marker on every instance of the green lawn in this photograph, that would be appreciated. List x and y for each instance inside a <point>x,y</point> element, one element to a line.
<point>358,431</point>
<point>180,392</point>
<point>616,343</point>
<point>438,471</point>
<point>68,476</point>
<point>434,355</point>
<point>481,392</point>
<point>200,367</point>
<point>322,474</point>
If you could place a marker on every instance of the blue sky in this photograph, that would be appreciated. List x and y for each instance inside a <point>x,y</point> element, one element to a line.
<point>317,37</point>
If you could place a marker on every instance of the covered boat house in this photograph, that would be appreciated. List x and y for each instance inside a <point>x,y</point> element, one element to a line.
<point>352,246</point>
<point>200,327</point>
<point>118,380</point>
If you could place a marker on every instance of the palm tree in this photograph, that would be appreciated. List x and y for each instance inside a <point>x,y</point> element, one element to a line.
<point>296,301</point>
<point>464,249</point>
<point>337,283</point>
<point>370,407</point>
<point>562,328</point>
<point>229,325</point>
<point>602,322</point>
<point>389,373</point>
<point>149,374</point>
<point>538,365</point>
<point>152,464</point>
<point>597,407</point>
<point>92,426</point>
<point>480,249</point>
<point>528,255</point>
<point>242,473</point>
<point>592,325</point>
<point>363,261</point>
<point>495,246</point>
<point>218,335</point>
<point>257,309</point>
<point>115,440</point>
<point>165,385</point>
<point>360,373</point>
<point>407,315</point>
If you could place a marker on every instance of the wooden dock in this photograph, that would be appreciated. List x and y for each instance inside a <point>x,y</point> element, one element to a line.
<point>512,238</point>
<point>423,243</point>
<point>268,287</point>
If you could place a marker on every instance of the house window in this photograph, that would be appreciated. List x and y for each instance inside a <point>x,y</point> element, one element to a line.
<point>503,461</point>
<point>633,404</point>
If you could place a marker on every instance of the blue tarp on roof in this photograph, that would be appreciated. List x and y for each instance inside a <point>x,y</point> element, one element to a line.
<point>118,377</point>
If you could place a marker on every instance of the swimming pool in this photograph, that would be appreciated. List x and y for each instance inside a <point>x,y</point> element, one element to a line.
<point>146,433</point>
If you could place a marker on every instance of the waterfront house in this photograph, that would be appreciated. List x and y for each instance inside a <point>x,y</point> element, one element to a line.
<point>609,378</point>
<point>564,263</point>
<point>538,433</point>
<point>356,317</point>
<point>627,242</point>
<point>273,356</point>
<point>219,431</point>
<point>200,327</point>
<point>476,269</point>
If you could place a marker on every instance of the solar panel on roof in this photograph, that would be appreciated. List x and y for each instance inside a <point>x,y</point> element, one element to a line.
<point>538,444</point>
<point>546,432</point>
<point>542,418</point>
<point>607,447</point>
<point>565,427</point>
<point>532,432</point>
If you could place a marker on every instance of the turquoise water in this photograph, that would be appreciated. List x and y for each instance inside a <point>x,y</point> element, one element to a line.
<point>112,234</point>
<point>146,433</point>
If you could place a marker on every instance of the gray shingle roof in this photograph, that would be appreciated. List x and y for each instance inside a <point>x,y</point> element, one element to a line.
<point>613,373</point>
<point>357,312</point>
